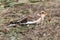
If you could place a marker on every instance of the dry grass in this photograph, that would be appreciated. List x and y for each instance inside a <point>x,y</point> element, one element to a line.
<point>48,30</point>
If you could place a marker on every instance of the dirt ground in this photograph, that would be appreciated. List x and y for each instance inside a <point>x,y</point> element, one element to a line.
<point>48,30</point>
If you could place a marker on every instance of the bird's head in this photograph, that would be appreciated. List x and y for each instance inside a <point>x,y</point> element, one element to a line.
<point>42,14</point>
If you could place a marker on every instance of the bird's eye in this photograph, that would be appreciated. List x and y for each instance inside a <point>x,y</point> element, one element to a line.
<point>42,12</point>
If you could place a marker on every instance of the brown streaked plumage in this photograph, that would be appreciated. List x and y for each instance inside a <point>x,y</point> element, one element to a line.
<point>42,15</point>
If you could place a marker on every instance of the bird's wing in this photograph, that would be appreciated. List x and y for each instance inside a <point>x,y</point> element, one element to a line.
<point>32,22</point>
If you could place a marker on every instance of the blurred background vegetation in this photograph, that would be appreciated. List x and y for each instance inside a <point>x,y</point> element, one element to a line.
<point>49,30</point>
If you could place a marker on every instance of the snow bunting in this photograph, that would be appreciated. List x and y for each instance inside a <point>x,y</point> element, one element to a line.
<point>25,21</point>
<point>42,15</point>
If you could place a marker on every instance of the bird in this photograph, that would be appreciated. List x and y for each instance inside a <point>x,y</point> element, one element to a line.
<point>25,21</point>
<point>42,15</point>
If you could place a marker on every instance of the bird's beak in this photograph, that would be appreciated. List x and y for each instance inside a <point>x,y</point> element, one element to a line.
<point>46,14</point>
